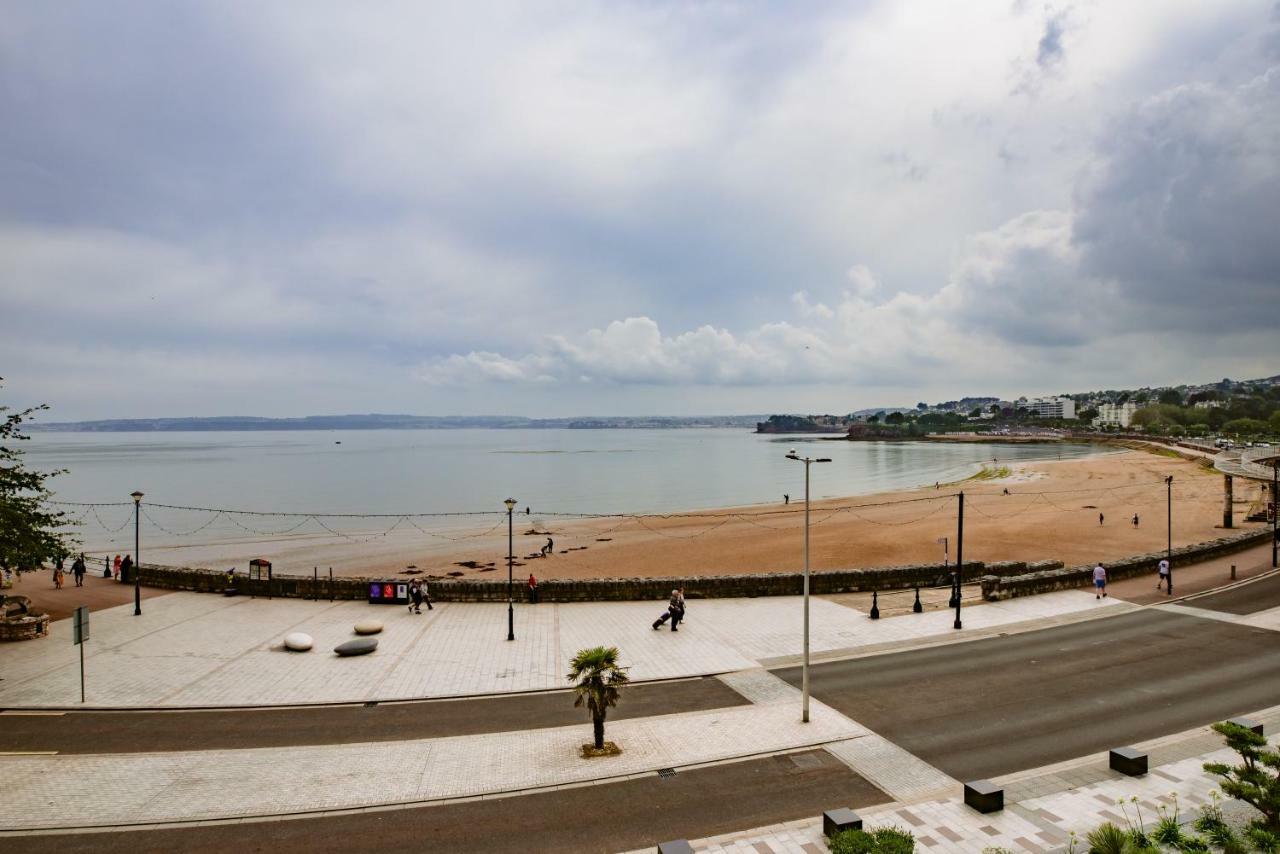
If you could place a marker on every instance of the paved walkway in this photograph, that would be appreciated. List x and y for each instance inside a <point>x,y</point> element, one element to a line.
<point>189,649</point>
<point>1043,807</point>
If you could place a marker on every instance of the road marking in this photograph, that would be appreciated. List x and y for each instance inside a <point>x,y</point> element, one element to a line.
<point>28,753</point>
<point>32,713</point>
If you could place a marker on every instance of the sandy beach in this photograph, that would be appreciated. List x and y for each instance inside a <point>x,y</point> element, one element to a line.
<point>1051,511</point>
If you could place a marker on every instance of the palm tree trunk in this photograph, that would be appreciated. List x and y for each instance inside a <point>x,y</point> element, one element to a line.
<point>598,726</point>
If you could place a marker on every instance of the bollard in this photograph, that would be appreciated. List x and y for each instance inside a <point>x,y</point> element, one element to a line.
<point>917,607</point>
<point>1233,572</point>
<point>875,605</point>
<point>315,581</point>
<point>330,584</point>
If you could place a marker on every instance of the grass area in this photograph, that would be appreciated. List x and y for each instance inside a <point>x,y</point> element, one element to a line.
<point>991,473</point>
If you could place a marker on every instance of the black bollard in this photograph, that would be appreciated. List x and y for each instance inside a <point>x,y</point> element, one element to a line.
<point>917,607</point>
<point>875,605</point>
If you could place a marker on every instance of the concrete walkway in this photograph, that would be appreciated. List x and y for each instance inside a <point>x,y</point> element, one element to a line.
<point>191,650</point>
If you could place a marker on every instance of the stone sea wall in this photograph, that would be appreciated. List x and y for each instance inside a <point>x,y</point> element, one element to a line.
<point>996,587</point>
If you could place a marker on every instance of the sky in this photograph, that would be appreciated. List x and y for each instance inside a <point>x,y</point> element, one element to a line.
<point>630,208</point>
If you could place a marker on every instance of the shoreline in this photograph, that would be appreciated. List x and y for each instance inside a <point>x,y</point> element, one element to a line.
<point>1050,512</point>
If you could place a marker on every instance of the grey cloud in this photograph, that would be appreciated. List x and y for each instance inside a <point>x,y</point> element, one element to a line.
<point>1050,51</point>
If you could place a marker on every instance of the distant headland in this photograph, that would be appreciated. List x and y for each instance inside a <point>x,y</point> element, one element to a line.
<point>393,422</point>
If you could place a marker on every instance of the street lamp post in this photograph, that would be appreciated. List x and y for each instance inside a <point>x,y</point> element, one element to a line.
<point>1275,510</point>
<point>1168,488</point>
<point>511,614</point>
<point>137,553</point>
<point>804,679</point>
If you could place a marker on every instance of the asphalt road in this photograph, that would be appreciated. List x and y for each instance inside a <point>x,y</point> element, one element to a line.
<point>1246,599</point>
<point>1005,704</point>
<point>154,731</point>
<point>605,818</point>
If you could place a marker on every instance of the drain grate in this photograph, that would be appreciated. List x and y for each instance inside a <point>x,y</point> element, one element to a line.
<point>666,773</point>
<point>371,704</point>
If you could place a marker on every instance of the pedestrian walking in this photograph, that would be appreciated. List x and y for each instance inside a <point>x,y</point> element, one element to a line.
<point>533,589</point>
<point>1100,582</point>
<point>1100,518</point>
<point>58,576</point>
<point>415,594</point>
<point>1163,576</point>
<point>549,547</point>
<point>674,612</point>
<point>786,499</point>
<point>115,566</point>
<point>426,593</point>
<point>1135,520</point>
<point>78,569</point>
<point>126,569</point>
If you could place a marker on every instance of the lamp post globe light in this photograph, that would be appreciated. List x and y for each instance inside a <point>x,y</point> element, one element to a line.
<point>511,614</point>
<point>137,553</point>
<point>804,678</point>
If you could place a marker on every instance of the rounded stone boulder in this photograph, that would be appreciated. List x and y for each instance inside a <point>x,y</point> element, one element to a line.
<point>368,627</point>
<point>359,646</point>
<point>298,642</point>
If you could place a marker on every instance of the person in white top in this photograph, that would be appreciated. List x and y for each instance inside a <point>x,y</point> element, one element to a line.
<point>1100,581</point>
<point>1164,576</point>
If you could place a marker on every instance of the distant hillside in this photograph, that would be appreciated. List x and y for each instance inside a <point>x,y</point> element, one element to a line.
<point>392,422</point>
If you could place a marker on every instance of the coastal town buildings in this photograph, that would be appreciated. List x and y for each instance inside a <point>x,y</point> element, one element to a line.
<point>1115,414</point>
<point>1052,407</point>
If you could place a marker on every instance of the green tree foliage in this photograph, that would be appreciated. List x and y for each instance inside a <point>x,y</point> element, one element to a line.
<point>30,532</point>
<point>1257,780</point>
<point>598,680</point>
<point>1274,421</point>
<point>894,418</point>
<point>1171,396</point>
<point>1245,427</point>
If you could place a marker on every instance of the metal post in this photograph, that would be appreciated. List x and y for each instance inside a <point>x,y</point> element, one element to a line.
<point>959,558</point>
<point>330,584</point>
<point>81,645</point>
<point>804,679</point>
<point>315,582</point>
<point>137,552</point>
<point>1275,510</point>
<point>511,614</point>
<point>1168,485</point>
<point>1227,499</point>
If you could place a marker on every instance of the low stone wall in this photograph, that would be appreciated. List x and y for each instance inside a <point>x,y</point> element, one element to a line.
<point>995,588</point>
<point>585,590</point>
<point>15,625</point>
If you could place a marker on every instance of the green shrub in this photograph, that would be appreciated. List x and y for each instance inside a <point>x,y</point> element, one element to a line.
<point>882,840</point>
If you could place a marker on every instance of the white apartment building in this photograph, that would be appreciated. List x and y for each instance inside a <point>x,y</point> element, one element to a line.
<point>1115,415</point>
<point>1053,407</point>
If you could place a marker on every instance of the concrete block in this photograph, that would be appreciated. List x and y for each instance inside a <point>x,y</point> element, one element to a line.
<point>1248,723</point>
<point>1127,761</point>
<point>983,796</point>
<point>676,846</point>
<point>834,821</point>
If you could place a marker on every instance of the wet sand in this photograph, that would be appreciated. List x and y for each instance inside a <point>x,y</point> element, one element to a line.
<point>1050,512</point>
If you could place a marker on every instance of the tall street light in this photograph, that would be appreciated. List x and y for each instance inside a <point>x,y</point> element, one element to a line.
<point>511,614</point>
<point>1168,488</point>
<point>137,553</point>
<point>1275,510</point>
<point>804,712</point>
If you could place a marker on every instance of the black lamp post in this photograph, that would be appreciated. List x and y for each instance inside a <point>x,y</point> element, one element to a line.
<point>804,679</point>
<point>511,614</point>
<point>137,553</point>
<point>1168,489</point>
<point>1275,510</point>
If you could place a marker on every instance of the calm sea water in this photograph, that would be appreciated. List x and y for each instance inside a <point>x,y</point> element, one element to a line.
<point>375,471</point>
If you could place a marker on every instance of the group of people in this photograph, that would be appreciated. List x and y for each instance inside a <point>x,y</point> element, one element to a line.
<point>1100,578</point>
<point>674,612</point>
<point>78,570</point>
<point>418,594</point>
<point>1102,518</point>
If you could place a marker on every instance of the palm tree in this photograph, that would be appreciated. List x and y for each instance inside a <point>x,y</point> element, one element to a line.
<point>597,679</point>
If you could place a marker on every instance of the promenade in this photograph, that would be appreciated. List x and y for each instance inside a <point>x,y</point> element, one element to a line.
<point>447,718</point>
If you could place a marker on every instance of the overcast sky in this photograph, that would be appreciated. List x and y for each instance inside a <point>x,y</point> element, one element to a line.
<point>631,208</point>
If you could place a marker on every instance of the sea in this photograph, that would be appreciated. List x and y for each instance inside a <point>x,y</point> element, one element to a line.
<point>458,471</point>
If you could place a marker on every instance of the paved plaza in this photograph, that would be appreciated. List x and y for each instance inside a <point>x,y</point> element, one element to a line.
<point>189,649</point>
